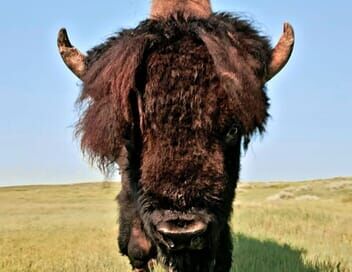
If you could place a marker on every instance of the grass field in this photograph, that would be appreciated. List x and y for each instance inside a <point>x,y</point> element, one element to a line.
<point>278,227</point>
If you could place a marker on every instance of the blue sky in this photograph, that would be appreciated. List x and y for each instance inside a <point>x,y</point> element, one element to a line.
<point>308,136</point>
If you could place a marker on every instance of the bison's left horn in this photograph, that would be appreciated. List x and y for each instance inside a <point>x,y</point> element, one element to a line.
<point>282,51</point>
<point>72,57</point>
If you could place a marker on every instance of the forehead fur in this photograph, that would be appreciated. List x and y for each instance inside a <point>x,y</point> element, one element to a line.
<point>116,72</point>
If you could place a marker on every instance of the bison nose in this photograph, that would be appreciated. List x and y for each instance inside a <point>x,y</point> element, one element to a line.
<point>183,233</point>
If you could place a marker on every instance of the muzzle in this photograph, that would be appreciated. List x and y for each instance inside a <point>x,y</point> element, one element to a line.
<point>181,230</point>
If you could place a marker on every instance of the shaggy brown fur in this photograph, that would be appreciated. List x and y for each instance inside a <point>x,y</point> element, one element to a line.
<point>239,54</point>
<point>164,99</point>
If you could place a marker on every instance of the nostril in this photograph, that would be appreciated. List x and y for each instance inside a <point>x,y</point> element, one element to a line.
<point>183,234</point>
<point>179,228</point>
<point>181,223</point>
<point>175,231</point>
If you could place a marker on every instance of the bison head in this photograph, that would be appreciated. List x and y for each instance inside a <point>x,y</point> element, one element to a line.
<point>172,101</point>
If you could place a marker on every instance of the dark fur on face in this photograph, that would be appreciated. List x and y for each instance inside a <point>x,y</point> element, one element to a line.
<point>163,99</point>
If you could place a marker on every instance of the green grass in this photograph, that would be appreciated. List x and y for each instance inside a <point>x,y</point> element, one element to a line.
<point>304,226</point>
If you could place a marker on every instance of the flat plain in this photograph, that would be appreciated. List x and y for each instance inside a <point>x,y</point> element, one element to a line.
<point>277,227</point>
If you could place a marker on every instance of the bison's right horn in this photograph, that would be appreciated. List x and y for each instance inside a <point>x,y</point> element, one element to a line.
<point>282,51</point>
<point>72,57</point>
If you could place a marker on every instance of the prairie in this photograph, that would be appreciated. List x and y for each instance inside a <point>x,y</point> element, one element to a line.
<point>300,226</point>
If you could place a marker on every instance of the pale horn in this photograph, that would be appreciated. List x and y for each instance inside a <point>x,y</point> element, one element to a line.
<point>73,58</point>
<point>282,51</point>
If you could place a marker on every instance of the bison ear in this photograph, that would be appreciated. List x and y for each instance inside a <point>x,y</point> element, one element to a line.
<point>108,85</point>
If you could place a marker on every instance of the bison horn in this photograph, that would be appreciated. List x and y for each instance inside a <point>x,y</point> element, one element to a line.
<point>72,57</point>
<point>282,51</point>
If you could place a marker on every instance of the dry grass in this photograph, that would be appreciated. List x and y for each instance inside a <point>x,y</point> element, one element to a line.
<point>281,196</point>
<point>73,228</point>
<point>307,198</point>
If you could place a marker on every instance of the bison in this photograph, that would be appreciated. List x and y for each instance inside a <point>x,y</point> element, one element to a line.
<point>173,102</point>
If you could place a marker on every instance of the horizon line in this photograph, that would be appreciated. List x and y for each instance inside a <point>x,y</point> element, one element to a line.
<point>119,181</point>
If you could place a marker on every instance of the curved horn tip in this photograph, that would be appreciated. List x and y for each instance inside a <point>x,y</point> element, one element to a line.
<point>72,57</point>
<point>62,38</point>
<point>289,31</point>
<point>282,51</point>
<point>62,31</point>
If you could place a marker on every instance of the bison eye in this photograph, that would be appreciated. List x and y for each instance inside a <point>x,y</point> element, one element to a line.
<point>233,134</point>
